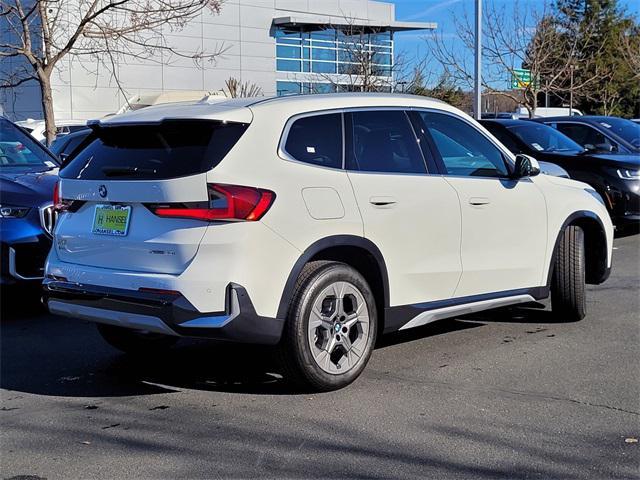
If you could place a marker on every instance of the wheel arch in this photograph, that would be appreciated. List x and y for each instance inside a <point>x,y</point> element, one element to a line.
<point>595,239</point>
<point>358,252</point>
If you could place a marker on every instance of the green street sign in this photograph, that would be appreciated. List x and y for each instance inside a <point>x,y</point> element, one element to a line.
<point>520,78</point>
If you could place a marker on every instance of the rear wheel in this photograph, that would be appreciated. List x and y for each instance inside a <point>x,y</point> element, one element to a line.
<point>568,300</point>
<point>331,327</point>
<point>135,342</point>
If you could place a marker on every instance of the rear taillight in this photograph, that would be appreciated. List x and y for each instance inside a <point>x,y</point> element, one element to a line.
<point>59,203</point>
<point>226,202</point>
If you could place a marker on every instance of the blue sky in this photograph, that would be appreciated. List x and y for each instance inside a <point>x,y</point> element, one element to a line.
<point>444,11</point>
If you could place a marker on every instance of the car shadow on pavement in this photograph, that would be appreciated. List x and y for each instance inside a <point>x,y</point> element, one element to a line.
<point>534,312</point>
<point>48,355</point>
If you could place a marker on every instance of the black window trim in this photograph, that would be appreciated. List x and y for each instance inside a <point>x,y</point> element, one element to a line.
<point>406,111</point>
<point>282,151</point>
<point>284,155</point>
<point>506,154</point>
<point>436,159</point>
<point>611,136</point>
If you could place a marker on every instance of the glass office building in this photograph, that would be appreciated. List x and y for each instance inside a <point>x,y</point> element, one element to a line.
<point>280,46</point>
<point>331,59</point>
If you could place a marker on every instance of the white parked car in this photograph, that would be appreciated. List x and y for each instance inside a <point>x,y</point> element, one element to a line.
<point>36,128</point>
<point>549,112</point>
<point>314,223</point>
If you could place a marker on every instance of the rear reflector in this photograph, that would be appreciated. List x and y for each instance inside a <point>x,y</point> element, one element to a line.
<point>226,202</point>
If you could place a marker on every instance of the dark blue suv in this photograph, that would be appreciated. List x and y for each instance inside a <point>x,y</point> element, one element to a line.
<point>28,174</point>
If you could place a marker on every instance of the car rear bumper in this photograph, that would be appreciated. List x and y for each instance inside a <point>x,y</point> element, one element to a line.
<point>166,313</point>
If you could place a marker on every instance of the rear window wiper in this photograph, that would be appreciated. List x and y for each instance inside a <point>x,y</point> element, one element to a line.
<point>123,171</point>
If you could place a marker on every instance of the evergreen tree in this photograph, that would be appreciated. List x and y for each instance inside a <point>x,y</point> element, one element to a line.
<point>602,27</point>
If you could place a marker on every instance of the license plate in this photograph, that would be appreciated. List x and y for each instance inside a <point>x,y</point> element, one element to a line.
<point>111,220</point>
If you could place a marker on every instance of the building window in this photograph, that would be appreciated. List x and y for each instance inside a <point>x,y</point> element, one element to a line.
<point>288,88</point>
<point>328,53</point>
<point>283,65</point>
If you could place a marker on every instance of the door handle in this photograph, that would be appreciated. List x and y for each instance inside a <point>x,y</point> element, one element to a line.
<point>382,201</point>
<point>479,201</point>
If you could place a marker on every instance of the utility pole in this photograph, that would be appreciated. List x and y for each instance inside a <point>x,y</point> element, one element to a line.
<point>477,93</point>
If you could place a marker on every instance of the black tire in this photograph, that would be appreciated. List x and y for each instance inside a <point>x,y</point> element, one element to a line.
<point>135,342</point>
<point>298,363</point>
<point>568,299</point>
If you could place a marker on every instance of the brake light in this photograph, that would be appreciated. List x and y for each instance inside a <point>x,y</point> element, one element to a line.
<point>226,202</point>
<point>57,200</point>
<point>59,203</point>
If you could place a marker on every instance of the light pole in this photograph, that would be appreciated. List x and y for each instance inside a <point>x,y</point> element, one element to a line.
<point>571,68</point>
<point>477,92</point>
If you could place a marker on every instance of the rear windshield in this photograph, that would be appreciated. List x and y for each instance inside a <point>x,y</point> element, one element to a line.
<point>153,152</point>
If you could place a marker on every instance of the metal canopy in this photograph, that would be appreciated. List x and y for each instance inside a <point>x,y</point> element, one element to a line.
<point>323,21</point>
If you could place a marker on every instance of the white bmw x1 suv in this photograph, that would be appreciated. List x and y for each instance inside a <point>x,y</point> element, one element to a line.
<point>314,223</point>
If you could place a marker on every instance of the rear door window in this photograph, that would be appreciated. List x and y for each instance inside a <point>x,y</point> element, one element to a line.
<point>316,140</point>
<point>382,141</point>
<point>586,136</point>
<point>170,149</point>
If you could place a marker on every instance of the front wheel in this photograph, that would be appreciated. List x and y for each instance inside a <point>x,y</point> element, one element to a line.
<point>135,342</point>
<point>568,300</point>
<point>331,327</point>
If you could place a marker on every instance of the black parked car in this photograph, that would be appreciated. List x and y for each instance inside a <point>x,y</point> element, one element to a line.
<point>599,134</point>
<point>616,177</point>
<point>63,145</point>
<point>28,175</point>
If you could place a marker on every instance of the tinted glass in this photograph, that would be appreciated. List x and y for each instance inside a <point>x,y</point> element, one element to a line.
<point>153,152</point>
<point>316,140</point>
<point>625,129</point>
<point>503,135</point>
<point>586,136</point>
<point>74,142</point>
<point>17,149</point>
<point>465,151</point>
<point>542,138</point>
<point>383,141</point>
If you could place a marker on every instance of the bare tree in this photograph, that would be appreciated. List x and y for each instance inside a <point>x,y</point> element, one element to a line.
<point>43,32</point>
<point>514,37</point>
<point>235,88</point>
<point>365,64</point>
<point>630,48</point>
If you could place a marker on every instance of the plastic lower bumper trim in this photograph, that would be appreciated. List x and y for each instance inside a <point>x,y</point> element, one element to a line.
<point>163,313</point>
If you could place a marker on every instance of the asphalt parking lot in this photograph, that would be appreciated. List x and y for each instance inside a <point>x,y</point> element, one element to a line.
<point>505,394</point>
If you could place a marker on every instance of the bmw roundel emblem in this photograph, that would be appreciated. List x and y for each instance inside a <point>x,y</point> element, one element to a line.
<point>102,190</point>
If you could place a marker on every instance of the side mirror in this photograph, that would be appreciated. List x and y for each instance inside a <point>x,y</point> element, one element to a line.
<point>526,166</point>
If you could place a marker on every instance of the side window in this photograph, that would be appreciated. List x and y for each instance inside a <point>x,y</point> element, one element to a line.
<point>584,135</point>
<point>464,150</point>
<point>316,140</point>
<point>505,138</point>
<point>382,141</point>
